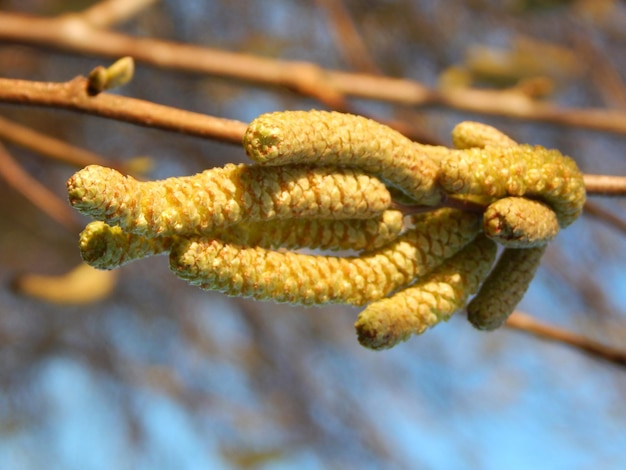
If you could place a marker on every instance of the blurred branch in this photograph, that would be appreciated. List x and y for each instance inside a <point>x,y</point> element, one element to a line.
<point>35,192</point>
<point>49,146</point>
<point>523,322</point>
<point>107,13</point>
<point>110,12</point>
<point>71,34</point>
<point>348,40</point>
<point>605,215</point>
<point>605,185</point>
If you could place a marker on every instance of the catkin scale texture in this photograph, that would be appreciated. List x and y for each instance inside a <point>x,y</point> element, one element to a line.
<point>386,322</point>
<point>504,287</point>
<point>324,234</point>
<point>331,138</point>
<point>517,222</point>
<point>521,170</point>
<point>220,197</point>
<point>308,279</point>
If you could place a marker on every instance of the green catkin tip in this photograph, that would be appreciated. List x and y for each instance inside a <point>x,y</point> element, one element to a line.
<point>504,288</point>
<point>436,297</point>
<point>469,134</point>
<point>331,138</point>
<point>106,247</point>
<point>517,222</point>
<point>200,204</point>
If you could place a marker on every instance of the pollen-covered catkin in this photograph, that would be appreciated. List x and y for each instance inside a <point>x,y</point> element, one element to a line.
<point>504,288</point>
<point>520,170</point>
<point>331,138</point>
<point>306,279</point>
<point>106,247</point>
<point>517,222</point>
<point>469,134</point>
<point>434,298</point>
<point>218,197</point>
<point>323,234</point>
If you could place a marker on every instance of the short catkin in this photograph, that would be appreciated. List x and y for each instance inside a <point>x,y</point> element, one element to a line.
<point>331,138</point>
<point>435,297</point>
<point>517,222</point>
<point>215,198</point>
<point>105,247</point>
<point>306,279</point>
<point>504,287</point>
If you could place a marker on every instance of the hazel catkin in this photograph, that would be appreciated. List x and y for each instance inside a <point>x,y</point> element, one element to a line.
<point>307,279</point>
<point>517,222</point>
<point>331,138</point>
<point>219,197</point>
<point>521,170</point>
<point>504,287</point>
<point>434,298</point>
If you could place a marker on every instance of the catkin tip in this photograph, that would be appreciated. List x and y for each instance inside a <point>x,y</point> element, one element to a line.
<point>262,141</point>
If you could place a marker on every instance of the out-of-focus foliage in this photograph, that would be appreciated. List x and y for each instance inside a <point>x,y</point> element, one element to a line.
<point>162,375</point>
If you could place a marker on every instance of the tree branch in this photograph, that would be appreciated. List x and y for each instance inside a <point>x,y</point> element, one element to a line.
<point>107,13</point>
<point>73,95</point>
<point>72,34</point>
<point>35,192</point>
<point>524,322</point>
<point>605,185</point>
<point>49,146</point>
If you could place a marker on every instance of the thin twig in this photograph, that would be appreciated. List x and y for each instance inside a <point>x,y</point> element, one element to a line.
<point>605,185</point>
<point>35,192</point>
<point>107,13</point>
<point>49,146</point>
<point>598,212</point>
<point>71,34</point>
<point>73,95</point>
<point>348,40</point>
<point>524,322</point>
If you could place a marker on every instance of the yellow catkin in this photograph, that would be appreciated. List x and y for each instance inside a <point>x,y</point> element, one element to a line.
<point>306,279</point>
<point>520,170</point>
<point>105,247</point>
<point>437,296</point>
<point>469,134</point>
<point>504,288</point>
<point>518,222</point>
<point>331,138</point>
<point>350,234</point>
<point>218,197</point>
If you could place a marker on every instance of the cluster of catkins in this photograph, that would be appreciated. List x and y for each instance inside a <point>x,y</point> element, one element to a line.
<point>405,214</point>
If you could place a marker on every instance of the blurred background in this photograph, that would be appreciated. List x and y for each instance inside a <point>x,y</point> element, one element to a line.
<point>155,374</point>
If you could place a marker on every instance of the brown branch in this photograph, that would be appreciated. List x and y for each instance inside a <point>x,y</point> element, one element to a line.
<point>71,34</point>
<point>524,322</point>
<point>35,192</point>
<point>107,13</point>
<point>48,146</point>
<point>73,96</point>
<point>605,185</point>
<point>348,40</point>
<point>605,215</point>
